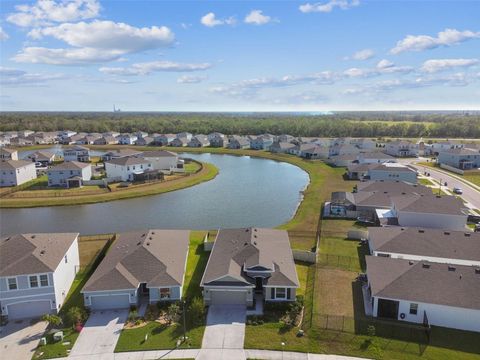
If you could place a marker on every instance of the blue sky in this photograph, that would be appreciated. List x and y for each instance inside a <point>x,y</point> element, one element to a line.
<point>87,55</point>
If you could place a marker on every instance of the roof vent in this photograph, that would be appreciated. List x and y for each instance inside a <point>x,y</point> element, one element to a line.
<point>42,252</point>
<point>148,244</point>
<point>150,238</point>
<point>426,266</point>
<point>446,233</point>
<point>451,268</point>
<point>410,262</point>
<point>153,232</point>
<point>246,230</point>
<point>143,235</point>
<point>245,243</point>
<point>477,271</point>
<point>438,196</point>
<point>255,236</point>
<point>32,237</point>
<point>139,243</point>
<point>467,234</point>
<point>421,231</point>
<point>404,193</point>
<point>254,243</point>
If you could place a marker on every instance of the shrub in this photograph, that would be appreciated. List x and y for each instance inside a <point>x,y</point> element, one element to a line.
<point>75,315</point>
<point>173,313</point>
<point>53,320</point>
<point>197,311</point>
<point>151,313</point>
<point>133,315</point>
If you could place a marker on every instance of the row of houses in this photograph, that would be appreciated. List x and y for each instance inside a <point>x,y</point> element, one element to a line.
<point>37,270</point>
<point>424,262</point>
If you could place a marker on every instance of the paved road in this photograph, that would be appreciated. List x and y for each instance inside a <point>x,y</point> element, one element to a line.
<point>225,327</point>
<point>19,340</point>
<point>469,193</point>
<point>100,334</point>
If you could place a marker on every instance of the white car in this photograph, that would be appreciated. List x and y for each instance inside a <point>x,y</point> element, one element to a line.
<point>457,190</point>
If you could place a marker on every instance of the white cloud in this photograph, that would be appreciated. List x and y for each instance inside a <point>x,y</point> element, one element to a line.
<point>3,34</point>
<point>210,20</point>
<point>327,7</point>
<point>256,17</point>
<point>384,64</point>
<point>364,54</point>
<point>92,42</point>
<point>187,79</point>
<point>154,66</point>
<point>356,72</point>
<point>46,12</point>
<point>13,77</point>
<point>448,37</point>
<point>436,65</point>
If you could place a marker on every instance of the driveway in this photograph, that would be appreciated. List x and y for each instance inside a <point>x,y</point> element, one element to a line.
<point>225,327</point>
<point>100,333</point>
<point>18,340</point>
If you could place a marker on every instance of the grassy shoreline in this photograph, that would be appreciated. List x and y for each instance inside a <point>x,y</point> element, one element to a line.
<point>208,172</point>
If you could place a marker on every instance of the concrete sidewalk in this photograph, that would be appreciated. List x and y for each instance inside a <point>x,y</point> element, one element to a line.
<point>213,354</point>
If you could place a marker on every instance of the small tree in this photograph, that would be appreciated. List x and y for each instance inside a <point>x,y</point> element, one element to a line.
<point>197,311</point>
<point>173,313</point>
<point>75,315</point>
<point>52,320</point>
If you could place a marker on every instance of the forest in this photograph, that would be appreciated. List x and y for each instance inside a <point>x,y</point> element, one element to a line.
<point>357,124</point>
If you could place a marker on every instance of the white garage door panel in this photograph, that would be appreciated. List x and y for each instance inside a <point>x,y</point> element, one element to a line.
<point>29,309</point>
<point>229,297</point>
<point>110,302</point>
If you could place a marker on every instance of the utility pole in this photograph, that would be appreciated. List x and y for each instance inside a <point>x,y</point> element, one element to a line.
<point>440,188</point>
<point>184,320</point>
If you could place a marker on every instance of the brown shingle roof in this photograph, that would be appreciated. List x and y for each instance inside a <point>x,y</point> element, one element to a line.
<point>13,164</point>
<point>158,153</point>
<point>33,253</point>
<point>425,282</point>
<point>251,247</point>
<point>155,257</point>
<point>439,243</point>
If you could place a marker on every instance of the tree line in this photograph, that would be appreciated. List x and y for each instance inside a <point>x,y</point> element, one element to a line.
<point>357,124</point>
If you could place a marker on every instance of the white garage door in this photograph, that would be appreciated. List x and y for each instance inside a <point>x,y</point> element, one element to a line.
<point>228,297</point>
<point>29,309</point>
<point>110,302</point>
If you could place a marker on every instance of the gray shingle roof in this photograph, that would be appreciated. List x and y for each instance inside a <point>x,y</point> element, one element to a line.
<point>158,153</point>
<point>449,205</point>
<point>425,282</point>
<point>14,164</point>
<point>251,247</point>
<point>393,187</point>
<point>156,257</point>
<point>439,243</point>
<point>127,160</point>
<point>70,165</point>
<point>22,254</point>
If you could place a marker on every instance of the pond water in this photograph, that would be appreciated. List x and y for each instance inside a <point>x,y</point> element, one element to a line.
<point>247,192</point>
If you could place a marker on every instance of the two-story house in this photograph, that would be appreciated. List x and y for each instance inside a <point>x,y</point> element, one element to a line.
<point>69,174</point>
<point>126,168</point>
<point>77,153</point>
<point>460,158</point>
<point>8,154</point>
<point>36,273</point>
<point>127,139</point>
<point>401,148</point>
<point>16,172</point>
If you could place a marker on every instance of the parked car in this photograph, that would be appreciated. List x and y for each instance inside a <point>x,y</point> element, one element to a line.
<point>457,190</point>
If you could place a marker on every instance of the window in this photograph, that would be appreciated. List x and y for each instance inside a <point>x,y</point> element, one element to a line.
<point>413,309</point>
<point>33,281</point>
<point>66,259</point>
<point>43,280</point>
<point>12,284</point>
<point>280,293</point>
<point>165,293</point>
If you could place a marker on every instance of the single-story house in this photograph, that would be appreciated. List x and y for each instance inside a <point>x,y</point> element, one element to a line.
<point>244,262</point>
<point>69,174</point>
<point>392,171</point>
<point>434,245</point>
<point>281,147</point>
<point>77,153</point>
<point>374,157</point>
<point>423,292</point>
<point>163,160</point>
<point>16,172</point>
<point>356,171</point>
<point>430,211</point>
<point>36,273</point>
<point>125,168</point>
<point>43,156</point>
<point>8,154</point>
<point>342,160</point>
<point>179,142</point>
<point>116,154</point>
<point>461,158</point>
<point>141,266</point>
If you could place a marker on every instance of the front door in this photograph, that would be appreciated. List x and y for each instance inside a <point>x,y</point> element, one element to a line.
<point>259,284</point>
<point>143,289</point>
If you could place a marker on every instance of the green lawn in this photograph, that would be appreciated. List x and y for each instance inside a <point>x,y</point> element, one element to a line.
<point>165,337</point>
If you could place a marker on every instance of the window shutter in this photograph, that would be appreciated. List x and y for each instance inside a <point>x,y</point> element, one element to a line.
<point>272,293</point>
<point>288,293</point>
